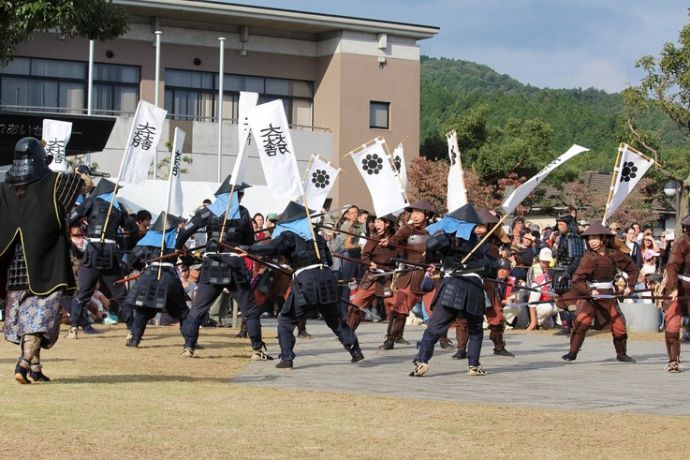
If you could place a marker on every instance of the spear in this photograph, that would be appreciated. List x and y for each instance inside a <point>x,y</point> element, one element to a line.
<point>256,259</point>
<point>375,240</point>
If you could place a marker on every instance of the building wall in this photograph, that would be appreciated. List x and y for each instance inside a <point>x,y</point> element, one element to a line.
<point>344,67</point>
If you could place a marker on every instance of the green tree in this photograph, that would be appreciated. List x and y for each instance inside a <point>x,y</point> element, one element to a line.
<point>93,19</point>
<point>665,87</point>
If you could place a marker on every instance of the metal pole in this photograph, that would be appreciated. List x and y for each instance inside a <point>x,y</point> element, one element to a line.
<point>89,90</point>
<point>157,78</point>
<point>221,71</point>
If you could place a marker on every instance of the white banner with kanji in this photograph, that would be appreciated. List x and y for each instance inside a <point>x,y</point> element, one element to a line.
<point>631,167</point>
<point>175,197</point>
<point>399,164</point>
<point>319,182</point>
<point>271,132</point>
<point>143,142</point>
<point>376,169</point>
<point>247,103</point>
<point>56,135</point>
<point>457,194</point>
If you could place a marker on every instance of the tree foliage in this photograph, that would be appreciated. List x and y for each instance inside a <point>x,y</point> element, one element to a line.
<point>636,208</point>
<point>665,88</point>
<point>93,19</point>
<point>428,180</point>
<point>502,113</point>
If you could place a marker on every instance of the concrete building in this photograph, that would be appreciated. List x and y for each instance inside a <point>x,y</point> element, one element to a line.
<point>343,80</point>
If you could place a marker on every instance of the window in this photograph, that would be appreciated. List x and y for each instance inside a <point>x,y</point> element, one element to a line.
<point>60,86</point>
<point>379,114</point>
<point>115,88</point>
<point>192,95</point>
<point>189,95</point>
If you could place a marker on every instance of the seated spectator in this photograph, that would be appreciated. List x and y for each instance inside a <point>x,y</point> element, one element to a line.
<point>542,307</point>
<point>509,292</point>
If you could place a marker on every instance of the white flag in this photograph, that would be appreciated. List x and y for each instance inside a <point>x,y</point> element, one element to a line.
<point>143,141</point>
<point>175,198</point>
<point>271,132</point>
<point>523,191</point>
<point>457,194</point>
<point>247,103</point>
<point>375,167</point>
<point>319,182</point>
<point>631,167</point>
<point>56,135</point>
<point>399,164</point>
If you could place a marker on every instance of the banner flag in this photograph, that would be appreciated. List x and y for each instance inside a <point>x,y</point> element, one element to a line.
<point>457,194</point>
<point>523,191</point>
<point>175,197</point>
<point>143,141</point>
<point>271,132</point>
<point>247,103</point>
<point>631,167</point>
<point>56,135</point>
<point>399,164</point>
<point>376,169</point>
<point>319,182</point>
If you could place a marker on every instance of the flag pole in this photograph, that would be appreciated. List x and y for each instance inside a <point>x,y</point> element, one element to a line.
<point>89,92</point>
<point>306,211</point>
<point>221,75</point>
<point>311,228</point>
<point>486,237</point>
<point>361,147</point>
<point>616,167</point>
<point>167,200</point>
<point>659,165</point>
<point>306,173</point>
<point>157,79</point>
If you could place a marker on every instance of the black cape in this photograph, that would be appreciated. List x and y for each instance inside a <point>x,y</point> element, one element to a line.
<point>37,222</point>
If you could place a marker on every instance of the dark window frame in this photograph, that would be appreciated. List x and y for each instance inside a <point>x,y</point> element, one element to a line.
<point>388,115</point>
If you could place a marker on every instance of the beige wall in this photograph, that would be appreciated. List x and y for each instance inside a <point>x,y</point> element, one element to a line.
<point>349,83</point>
<point>134,52</point>
<point>345,83</point>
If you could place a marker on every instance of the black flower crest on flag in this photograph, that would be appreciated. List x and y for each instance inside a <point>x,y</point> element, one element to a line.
<point>320,178</point>
<point>397,162</point>
<point>453,156</point>
<point>372,163</point>
<point>629,171</point>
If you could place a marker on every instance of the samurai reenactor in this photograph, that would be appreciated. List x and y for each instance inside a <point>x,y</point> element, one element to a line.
<point>677,285</point>
<point>568,254</point>
<point>494,313</point>
<point>592,282</point>
<point>379,259</point>
<point>101,261</point>
<point>407,285</point>
<point>35,267</point>
<point>460,294</point>
<point>222,268</point>
<point>314,285</point>
<point>158,287</point>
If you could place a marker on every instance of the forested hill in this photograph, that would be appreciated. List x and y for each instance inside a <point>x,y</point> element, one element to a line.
<point>590,117</point>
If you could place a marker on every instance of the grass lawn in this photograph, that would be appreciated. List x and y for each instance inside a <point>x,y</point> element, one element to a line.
<point>109,401</point>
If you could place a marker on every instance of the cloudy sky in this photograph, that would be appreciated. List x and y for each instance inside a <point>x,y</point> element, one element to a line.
<point>547,43</point>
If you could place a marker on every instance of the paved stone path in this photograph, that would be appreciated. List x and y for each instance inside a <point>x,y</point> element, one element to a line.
<point>536,377</point>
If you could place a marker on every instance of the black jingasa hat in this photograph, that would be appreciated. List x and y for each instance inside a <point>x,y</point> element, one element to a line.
<point>171,221</point>
<point>226,186</point>
<point>293,211</point>
<point>467,213</point>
